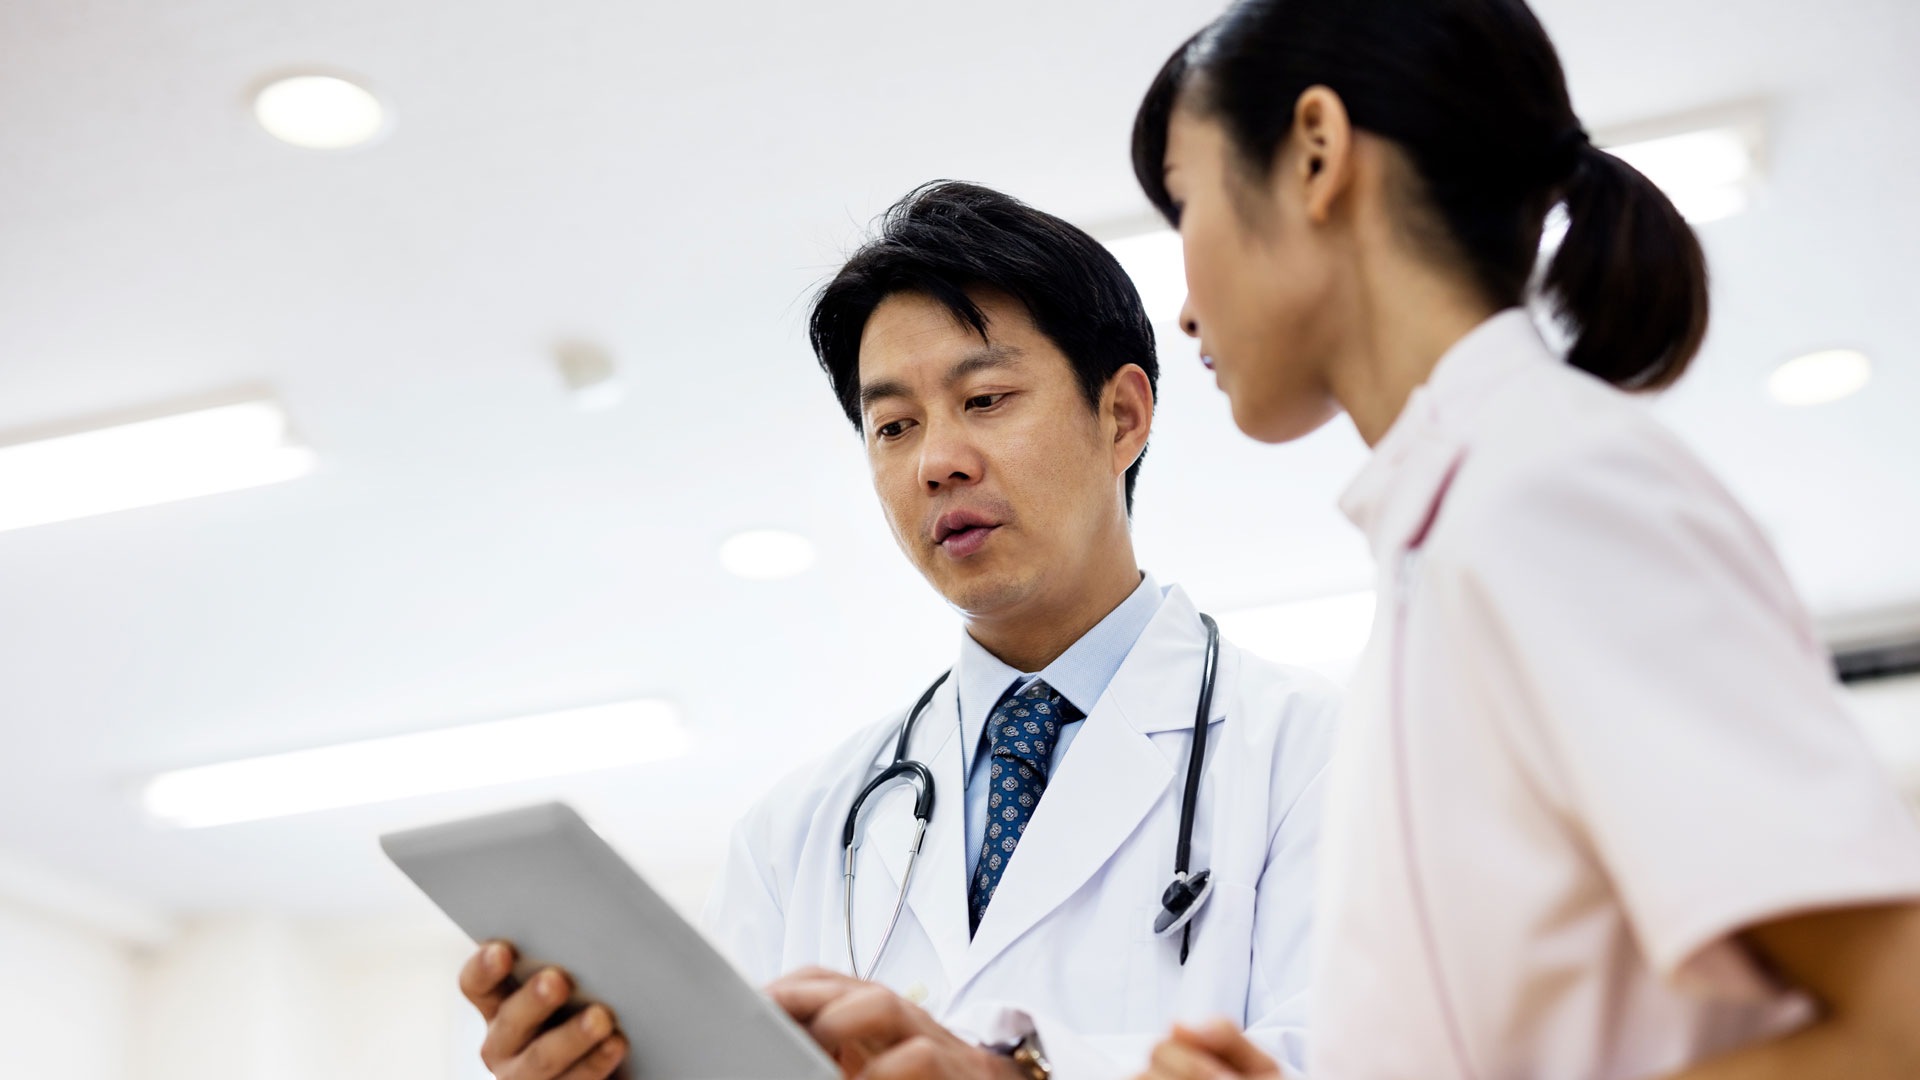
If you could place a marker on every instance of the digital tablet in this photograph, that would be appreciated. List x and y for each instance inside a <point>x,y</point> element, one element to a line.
<point>542,879</point>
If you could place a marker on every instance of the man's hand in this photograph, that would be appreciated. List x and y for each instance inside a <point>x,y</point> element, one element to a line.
<point>583,1048</point>
<point>876,1034</point>
<point>1213,1051</point>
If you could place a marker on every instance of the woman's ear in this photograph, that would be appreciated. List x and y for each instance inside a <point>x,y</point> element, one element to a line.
<point>1322,142</point>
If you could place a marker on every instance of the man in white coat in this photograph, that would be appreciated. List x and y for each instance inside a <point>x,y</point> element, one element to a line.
<point>1001,371</point>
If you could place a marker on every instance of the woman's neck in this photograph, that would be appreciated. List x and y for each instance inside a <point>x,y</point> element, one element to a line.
<point>1408,314</point>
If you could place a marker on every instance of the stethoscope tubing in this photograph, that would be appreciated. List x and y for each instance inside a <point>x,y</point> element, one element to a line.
<point>921,778</point>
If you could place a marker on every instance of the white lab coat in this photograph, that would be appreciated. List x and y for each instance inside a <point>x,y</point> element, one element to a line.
<point>1067,945</point>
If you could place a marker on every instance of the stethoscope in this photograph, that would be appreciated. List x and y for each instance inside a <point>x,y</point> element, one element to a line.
<point>1180,902</point>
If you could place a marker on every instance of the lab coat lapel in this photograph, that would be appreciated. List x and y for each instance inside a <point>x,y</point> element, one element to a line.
<point>938,896</point>
<point>1112,777</point>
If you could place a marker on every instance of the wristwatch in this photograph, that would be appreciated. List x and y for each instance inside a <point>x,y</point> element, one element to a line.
<point>1027,1054</point>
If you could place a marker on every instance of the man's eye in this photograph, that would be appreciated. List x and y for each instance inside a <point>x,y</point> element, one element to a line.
<point>984,401</point>
<point>891,430</point>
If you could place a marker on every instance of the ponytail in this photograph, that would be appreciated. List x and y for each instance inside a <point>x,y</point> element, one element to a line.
<point>1629,279</point>
<point>1473,93</point>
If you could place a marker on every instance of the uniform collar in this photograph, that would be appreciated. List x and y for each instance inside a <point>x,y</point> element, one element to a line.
<point>1393,498</point>
<point>1080,675</point>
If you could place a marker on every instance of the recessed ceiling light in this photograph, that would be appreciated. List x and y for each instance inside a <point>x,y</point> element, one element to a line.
<point>425,763</point>
<point>318,112</point>
<point>590,376</point>
<point>766,554</point>
<point>1820,377</point>
<point>183,456</point>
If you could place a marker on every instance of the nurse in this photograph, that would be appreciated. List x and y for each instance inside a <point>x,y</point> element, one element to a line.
<point>1598,811</point>
<point>998,366</point>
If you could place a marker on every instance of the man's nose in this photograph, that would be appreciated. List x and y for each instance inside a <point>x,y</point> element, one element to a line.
<point>1189,324</point>
<point>947,457</point>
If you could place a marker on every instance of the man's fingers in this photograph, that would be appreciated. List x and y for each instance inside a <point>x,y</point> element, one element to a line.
<point>914,1059</point>
<point>871,1017</point>
<point>803,993</point>
<point>483,978</point>
<point>600,1063</point>
<point>1175,1059</point>
<point>566,1048</point>
<point>1224,1040</point>
<point>518,1019</point>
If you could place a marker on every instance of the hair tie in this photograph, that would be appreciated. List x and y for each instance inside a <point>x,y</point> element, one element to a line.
<point>1564,153</point>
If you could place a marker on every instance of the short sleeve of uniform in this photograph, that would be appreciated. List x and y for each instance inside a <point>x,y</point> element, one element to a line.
<point>1685,718</point>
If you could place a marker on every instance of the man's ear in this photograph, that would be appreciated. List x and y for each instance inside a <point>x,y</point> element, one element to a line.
<point>1128,412</point>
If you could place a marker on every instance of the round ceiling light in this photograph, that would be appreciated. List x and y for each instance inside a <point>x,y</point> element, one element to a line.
<point>1817,378</point>
<point>766,554</point>
<point>318,112</point>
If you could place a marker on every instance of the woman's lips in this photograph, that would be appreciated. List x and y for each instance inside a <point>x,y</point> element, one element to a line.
<point>965,542</point>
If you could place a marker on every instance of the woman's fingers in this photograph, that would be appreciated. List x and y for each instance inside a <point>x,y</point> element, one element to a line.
<point>1223,1041</point>
<point>1175,1059</point>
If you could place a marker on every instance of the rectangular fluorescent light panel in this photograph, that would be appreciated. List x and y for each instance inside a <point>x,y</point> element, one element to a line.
<point>425,763</point>
<point>183,456</point>
<point>1157,264</point>
<point>1326,633</point>
<point>1709,174</point>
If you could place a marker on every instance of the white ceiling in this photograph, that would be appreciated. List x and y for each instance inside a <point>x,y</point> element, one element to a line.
<point>670,181</point>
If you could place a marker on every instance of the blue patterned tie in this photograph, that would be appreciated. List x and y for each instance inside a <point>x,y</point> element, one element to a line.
<point>1021,733</point>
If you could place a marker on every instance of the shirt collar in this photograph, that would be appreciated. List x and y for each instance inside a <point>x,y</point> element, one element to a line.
<point>1080,675</point>
<point>1391,498</point>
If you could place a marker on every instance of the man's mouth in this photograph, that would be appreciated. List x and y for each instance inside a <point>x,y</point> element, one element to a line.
<point>961,532</point>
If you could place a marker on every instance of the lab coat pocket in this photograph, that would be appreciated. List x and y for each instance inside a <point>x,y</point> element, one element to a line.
<point>1214,979</point>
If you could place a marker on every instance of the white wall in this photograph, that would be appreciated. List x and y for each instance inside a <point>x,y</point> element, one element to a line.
<point>270,998</point>
<point>66,998</point>
<point>92,988</point>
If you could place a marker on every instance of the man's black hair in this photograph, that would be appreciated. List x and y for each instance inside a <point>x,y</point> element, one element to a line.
<point>946,237</point>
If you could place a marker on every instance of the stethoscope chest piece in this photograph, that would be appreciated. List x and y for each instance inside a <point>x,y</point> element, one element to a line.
<point>1182,901</point>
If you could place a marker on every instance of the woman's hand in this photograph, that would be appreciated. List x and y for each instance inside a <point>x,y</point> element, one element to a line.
<point>1215,1050</point>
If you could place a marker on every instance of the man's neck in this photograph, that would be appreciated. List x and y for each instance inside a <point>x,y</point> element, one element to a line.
<point>1033,638</point>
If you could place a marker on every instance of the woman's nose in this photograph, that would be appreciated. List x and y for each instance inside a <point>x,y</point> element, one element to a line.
<point>1188,324</point>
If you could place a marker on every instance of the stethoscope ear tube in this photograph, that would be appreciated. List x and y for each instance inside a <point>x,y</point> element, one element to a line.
<point>1181,902</point>
<point>922,780</point>
<point>915,773</point>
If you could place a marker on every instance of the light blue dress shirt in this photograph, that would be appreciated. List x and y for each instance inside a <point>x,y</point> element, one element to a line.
<point>1080,675</point>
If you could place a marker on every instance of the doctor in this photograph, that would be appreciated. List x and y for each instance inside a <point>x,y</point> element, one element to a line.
<point>999,367</point>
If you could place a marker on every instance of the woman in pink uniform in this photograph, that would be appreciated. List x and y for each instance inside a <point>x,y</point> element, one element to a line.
<point>1600,813</point>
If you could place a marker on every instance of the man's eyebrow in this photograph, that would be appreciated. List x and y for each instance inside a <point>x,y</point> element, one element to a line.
<point>873,392</point>
<point>983,359</point>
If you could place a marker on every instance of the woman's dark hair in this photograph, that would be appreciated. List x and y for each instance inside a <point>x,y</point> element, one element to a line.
<point>946,237</point>
<point>1471,91</point>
